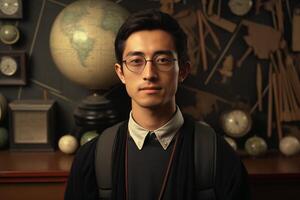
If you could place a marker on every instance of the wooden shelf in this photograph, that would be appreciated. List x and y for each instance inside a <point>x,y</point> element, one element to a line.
<point>274,176</point>
<point>273,165</point>
<point>33,175</point>
<point>43,175</point>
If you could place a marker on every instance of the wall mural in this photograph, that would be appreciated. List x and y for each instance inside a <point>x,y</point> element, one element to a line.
<point>245,66</point>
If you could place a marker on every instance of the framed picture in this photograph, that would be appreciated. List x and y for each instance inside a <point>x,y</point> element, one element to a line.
<point>3,107</point>
<point>12,68</point>
<point>32,125</point>
<point>11,9</point>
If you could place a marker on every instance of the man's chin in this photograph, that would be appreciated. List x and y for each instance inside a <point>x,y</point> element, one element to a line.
<point>150,104</point>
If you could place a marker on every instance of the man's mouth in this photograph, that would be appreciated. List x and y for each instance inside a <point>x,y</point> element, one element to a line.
<point>150,89</point>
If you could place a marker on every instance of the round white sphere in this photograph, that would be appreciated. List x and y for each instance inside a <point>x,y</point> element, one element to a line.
<point>68,144</point>
<point>231,142</point>
<point>289,145</point>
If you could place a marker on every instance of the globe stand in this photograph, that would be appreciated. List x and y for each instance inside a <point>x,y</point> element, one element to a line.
<point>95,112</point>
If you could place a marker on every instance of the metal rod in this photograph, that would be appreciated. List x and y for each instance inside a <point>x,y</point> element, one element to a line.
<point>229,43</point>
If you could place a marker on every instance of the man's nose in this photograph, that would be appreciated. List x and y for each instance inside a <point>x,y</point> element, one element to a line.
<point>150,71</point>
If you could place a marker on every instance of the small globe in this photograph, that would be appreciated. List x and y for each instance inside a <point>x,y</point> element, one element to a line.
<point>9,34</point>
<point>88,136</point>
<point>256,146</point>
<point>82,42</point>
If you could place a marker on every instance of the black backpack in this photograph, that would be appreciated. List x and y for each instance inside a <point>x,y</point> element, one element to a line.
<point>205,148</point>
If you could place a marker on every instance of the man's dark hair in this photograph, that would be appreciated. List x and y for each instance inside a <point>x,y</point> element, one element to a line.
<point>152,20</point>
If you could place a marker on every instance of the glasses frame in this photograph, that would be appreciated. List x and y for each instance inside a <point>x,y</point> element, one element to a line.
<point>153,62</point>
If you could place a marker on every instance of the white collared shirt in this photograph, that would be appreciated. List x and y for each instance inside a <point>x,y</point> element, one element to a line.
<point>164,134</point>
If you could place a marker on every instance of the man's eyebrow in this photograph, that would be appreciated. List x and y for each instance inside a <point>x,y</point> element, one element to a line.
<point>140,53</point>
<point>135,53</point>
<point>166,52</point>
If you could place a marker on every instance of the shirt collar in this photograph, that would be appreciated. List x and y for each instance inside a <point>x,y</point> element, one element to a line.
<point>164,134</point>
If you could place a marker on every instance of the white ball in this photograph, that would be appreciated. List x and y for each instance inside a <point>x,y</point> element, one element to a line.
<point>289,145</point>
<point>68,144</point>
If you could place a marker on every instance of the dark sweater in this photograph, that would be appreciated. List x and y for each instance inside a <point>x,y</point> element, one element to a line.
<point>147,167</point>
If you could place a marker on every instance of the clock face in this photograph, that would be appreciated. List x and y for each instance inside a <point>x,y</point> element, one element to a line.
<point>240,7</point>
<point>8,66</point>
<point>236,123</point>
<point>9,7</point>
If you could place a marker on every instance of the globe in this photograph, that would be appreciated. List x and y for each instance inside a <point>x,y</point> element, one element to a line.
<point>82,42</point>
<point>88,136</point>
<point>9,34</point>
<point>256,146</point>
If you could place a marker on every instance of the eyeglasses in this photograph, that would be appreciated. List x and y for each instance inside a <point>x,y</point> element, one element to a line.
<point>137,63</point>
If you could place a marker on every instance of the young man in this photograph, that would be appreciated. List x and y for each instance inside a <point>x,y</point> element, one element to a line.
<point>154,150</point>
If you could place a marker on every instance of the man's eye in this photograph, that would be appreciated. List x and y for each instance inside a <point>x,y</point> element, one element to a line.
<point>136,61</point>
<point>163,60</point>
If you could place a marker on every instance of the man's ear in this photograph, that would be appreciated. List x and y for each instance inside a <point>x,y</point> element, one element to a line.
<point>119,71</point>
<point>184,71</point>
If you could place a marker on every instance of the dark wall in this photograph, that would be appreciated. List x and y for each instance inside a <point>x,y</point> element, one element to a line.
<point>35,28</point>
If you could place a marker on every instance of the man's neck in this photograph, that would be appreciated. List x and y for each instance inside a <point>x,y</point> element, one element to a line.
<point>152,118</point>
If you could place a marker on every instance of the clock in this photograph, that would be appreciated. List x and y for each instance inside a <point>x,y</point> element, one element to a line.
<point>8,66</point>
<point>236,122</point>
<point>12,68</point>
<point>240,7</point>
<point>11,9</point>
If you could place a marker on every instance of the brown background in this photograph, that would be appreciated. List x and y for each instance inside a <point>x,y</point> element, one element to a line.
<point>35,28</point>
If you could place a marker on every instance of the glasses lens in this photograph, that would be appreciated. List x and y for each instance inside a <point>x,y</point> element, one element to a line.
<point>164,62</point>
<point>135,63</point>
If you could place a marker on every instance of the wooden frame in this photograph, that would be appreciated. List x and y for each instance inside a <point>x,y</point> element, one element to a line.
<point>296,30</point>
<point>18,14</point>
<point>32,125</point>
<point>19,78</point>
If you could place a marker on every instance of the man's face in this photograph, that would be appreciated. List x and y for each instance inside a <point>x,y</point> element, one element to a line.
<point>151,87</point>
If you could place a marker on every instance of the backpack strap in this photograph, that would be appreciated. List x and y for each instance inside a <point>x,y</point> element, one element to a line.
<point>104,152</point>
<point>205,149</point>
